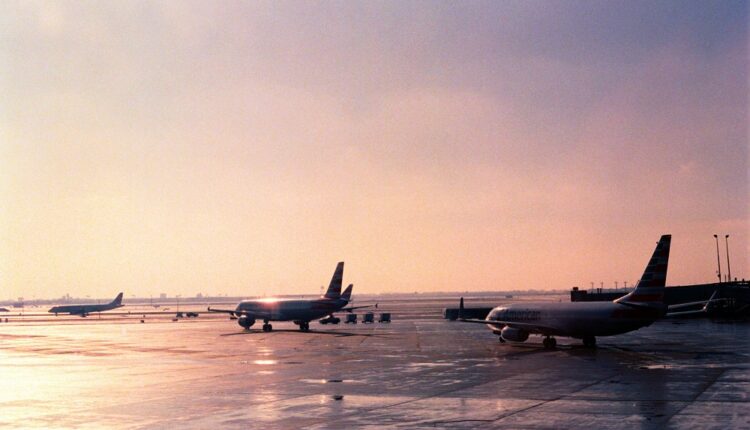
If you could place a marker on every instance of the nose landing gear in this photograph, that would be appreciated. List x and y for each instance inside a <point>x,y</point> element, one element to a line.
<point>267,326</point>
<point>549,342</point>
<point>589,342</point>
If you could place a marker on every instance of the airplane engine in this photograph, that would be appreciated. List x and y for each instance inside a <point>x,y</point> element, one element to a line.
<point>245,322</point>
<point>514,334</point>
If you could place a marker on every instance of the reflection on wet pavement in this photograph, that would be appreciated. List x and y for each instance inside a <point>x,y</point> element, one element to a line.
<point>419,371</point>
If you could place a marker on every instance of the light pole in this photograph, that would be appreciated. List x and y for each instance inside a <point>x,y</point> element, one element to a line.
<point>718,261</point>
<point>729,268</point>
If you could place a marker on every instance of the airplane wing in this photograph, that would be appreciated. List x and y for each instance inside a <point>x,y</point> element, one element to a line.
<point>352,308</point>
<point>529,327</point>
<point>252,314</point>
<point>684,313</point>
<point>226,311</point>
<point>673,310</point>
<point>703,310</point>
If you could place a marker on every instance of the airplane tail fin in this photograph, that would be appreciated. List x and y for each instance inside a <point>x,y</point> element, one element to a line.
<point>334,288</point>
<point>650,289</point>
<point>117,300</point>
<point>347,294</point>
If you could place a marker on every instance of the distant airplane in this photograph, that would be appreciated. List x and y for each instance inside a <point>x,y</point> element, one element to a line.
<point>586,320</point>
<point>84,310</point>
<point>301,312</point>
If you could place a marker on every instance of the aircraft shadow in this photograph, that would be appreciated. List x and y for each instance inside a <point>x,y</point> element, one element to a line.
<point>521,349</point>
<point>330,333</point>
<point>620,354</point>
<point>518,351</point>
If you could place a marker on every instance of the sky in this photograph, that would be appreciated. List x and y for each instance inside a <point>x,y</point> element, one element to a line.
<point>244,148</point>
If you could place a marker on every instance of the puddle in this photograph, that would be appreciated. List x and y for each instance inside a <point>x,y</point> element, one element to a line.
<point>265,362</point>
<point>694,366</point>
<point>328,381</point>
<point>436,364</point>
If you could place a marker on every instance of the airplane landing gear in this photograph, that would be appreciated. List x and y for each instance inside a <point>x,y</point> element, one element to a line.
<point>500,339</point>
<point>304,326</point>
<point>589,342</point>
<point>267,327</point>
<point>549,342</point>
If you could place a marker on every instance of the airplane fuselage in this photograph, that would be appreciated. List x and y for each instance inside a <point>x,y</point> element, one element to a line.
<point>82,310</point>
<point>292,310</point>
<point>576,319</point>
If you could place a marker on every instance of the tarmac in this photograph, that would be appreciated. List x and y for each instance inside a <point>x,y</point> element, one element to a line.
<point>419,371</point>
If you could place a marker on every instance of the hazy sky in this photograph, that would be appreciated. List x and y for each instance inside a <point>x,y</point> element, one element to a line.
<point>246,147</point>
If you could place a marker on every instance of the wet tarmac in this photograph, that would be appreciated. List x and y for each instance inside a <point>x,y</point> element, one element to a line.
<point>419,371</point>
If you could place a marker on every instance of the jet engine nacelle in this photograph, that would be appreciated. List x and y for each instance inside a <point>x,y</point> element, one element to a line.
<point>245,321</point>
<point>514,334</point>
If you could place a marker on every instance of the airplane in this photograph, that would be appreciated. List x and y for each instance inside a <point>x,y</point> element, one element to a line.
<point>301,312</point>
<point>84,310</point>
<point>585,320</point>
<point>709,306</point>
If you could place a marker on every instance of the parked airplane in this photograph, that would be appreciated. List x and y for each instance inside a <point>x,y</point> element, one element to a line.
<point>586,320</point>
<point>301,312</point>
<point>84,310</point>
<point>708,307</point>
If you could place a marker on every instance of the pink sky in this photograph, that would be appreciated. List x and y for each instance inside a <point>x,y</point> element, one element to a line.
<point>245,148</point>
